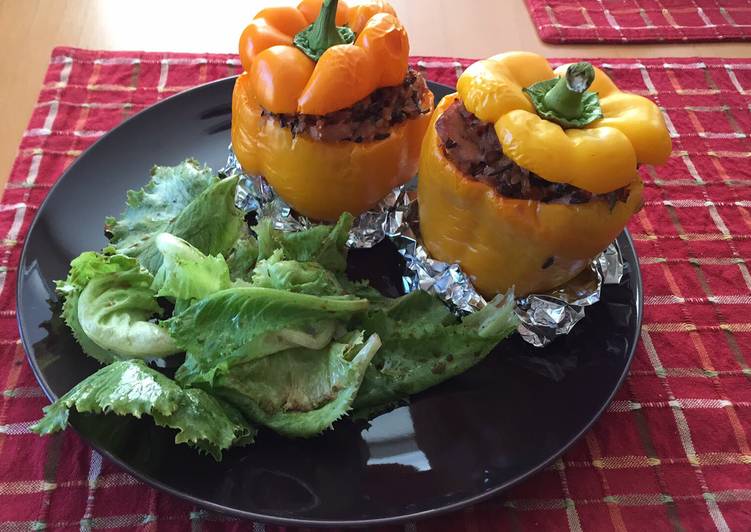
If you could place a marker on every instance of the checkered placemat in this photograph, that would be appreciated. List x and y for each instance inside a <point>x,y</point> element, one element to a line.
<point>629,21</point>
<point>671,453</point>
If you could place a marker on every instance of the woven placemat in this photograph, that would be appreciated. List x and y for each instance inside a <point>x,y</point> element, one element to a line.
<point>672,451</point>
<point>632,21</point>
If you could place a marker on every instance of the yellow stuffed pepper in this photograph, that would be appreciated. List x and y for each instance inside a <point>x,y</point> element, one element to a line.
<point>527,173</point>
<point>328,110</point>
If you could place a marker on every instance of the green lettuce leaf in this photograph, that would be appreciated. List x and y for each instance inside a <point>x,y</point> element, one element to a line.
<point>240,324</point>
<point>108,305</point>
<point>211,222</point>
<point>424,345</point>
<point>242,258</point>
<point>300,392</point>
<point>149,210</point>
<point>362,289</point>
<point>129,387</point>
<point>207,423</point>
<point>125,387</point>
<point>82,268</point>
<point>324,244</point>
<point>186,274</point>
<point>186,201</point>
<point>304,277</point>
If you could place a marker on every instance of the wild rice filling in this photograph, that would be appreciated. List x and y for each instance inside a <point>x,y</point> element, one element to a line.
<point>372,118</point>
<point>473,147</point>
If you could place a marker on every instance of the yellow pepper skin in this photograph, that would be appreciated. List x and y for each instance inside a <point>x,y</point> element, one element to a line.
<point>600,157</point>
<point>502,242</point>
<point>318,179</point>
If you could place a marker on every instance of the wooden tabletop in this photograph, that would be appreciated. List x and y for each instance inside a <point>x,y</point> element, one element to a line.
<point>29,29</point>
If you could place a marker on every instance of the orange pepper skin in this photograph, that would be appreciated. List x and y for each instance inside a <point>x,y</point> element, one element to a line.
<point>502,242</point>
<point>384,37</point>
<point>334,75</point>
<point>378,57</point>
<point>256,37</point>
<point>278,75</point>
<point>318,179</point>
<point>359,14</point>
<point>288,20</point>
<point>311,8</point>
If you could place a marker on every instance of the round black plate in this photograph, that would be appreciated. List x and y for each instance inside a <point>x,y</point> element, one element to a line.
<point>453,445</point>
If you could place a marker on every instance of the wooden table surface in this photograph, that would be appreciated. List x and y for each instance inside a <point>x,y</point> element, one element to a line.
<point>29,29</point>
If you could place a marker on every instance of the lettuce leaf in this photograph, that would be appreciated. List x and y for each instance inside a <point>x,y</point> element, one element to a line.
<point>211,222</point>
<point>207,423</point>
<point>275,332</point>
<point>300,392</point>
<point>187,201</point>
<point>424,345</point>
<point>149,210</point>
<point>129,387</point>
<point>108,305</point>
<point>82,268</point>
<point>186,274</point>
<point>241,324</point>
<point>126,387</point>
<point>242,257</point>
<point>324,244</point>
<point>303,277</point>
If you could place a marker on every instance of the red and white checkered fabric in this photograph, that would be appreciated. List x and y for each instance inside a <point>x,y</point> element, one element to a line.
<point>629,21</point>
<point>672,452</point>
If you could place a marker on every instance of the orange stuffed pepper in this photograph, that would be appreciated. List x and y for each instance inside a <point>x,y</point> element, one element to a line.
<point>527,173</point>
<point>328,110</point>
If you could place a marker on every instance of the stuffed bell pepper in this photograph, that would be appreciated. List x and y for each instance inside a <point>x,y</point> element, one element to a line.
<point>328,110</point>
<point>527,173</point>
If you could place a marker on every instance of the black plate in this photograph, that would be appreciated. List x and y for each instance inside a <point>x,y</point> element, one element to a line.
<point>455,444</point>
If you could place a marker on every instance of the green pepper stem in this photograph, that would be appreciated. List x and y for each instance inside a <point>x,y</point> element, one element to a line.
<point>565,98</point>
<point>323,32</point>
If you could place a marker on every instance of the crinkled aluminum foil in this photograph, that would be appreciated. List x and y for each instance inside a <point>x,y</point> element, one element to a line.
<point>445,280</point>
<point>542,317</point>
<point>255,194</point>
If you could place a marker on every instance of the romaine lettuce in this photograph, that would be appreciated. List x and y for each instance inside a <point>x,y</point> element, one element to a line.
<point>241,324</point>
<point>242,257</point>
<point>207,423</point>
<point>304,277</point>
<point>186,201</point>
<point>272,328</point>
<point>300,392</point>
<point>126,387</point>
<point>324,244</point>
<point>424,345</point>
<point>186,274</point>
<point>129,387</point>
<point>108,305</point>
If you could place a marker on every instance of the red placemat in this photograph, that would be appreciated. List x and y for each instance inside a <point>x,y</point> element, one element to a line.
<point>671,452</point>
<point>629,21</point>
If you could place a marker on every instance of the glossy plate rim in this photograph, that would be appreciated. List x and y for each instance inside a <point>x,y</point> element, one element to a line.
<point>636,279</point>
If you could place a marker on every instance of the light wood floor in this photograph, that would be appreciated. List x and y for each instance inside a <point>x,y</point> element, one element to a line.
<point>29,29</point>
